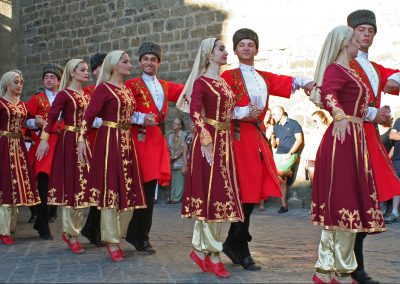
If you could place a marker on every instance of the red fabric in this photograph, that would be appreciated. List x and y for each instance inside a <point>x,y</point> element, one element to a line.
<point>17,186</point>
<point>259,181</point>
<point>211,192</point>
<point>153,151</point>
<point>67,183</point>
<point>93,131</point>
<point>38,104</point>
<point>344,194</point>
<point>114,175</point>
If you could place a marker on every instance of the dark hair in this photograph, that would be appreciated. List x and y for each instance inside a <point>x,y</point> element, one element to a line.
<point>181,122</point>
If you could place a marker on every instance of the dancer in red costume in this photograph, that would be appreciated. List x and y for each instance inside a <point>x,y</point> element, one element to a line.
<point>17,187</point>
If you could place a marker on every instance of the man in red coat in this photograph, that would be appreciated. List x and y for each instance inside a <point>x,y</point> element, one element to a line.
<point>376,77</point>
<point>152,96</point>
<point>91,230</point>
<point>38,107</point>
<point>260,180</point>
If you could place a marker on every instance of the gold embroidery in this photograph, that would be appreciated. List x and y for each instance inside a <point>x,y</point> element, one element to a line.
<point>350,220</point>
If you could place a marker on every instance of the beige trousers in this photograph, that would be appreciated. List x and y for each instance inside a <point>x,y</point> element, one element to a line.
<point>72,221</point>
<point>207,237</point>
<point>336,252</point>
<point>8,219</point>
<point>114,225</point>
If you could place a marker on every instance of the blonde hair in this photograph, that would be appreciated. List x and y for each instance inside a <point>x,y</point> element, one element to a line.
<point>335,41</point>
<point>108,65</point>
<point>7,78</point>
<point>68,69</point>
<point>200,66</point>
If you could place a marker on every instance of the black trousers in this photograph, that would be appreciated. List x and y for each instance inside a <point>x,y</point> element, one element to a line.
<point>92,225</point>
<point>140,225</point>
<point>358,250</point>
<point>239,236</point>
<point>42,211</point>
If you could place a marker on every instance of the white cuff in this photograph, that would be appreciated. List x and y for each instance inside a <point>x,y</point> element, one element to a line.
<point>240,112</point>
<point>299,82</point>
<point>97,122</point>
<point>395,77</point>
<point>138,117</point>
<point>30,123</point>
<point>371,114</point>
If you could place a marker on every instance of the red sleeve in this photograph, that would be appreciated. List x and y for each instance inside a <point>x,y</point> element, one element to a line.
<point>279,85</point>
<point>174,91</point>
<point>332,83</point>
<point>385,73</point>
<point>31,105</point>
<point>55,110</point>
<point>94,108</point>
<point>129,85</point>
<point>196,106</point>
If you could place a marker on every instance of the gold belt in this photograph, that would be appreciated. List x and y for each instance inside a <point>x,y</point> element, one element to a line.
<point>355,119</point>
<point>218,125</point>
<point>12,135</point>
<point>72,128</point>
<point>119,125</point>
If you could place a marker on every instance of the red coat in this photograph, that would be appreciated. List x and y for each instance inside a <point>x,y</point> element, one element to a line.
<point>38,104</point>
<point>260,180</point>
<point>93,131</point>
<point>386,179</point>
<point>153,152</point>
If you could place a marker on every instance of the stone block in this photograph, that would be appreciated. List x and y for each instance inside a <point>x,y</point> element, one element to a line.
<point>189,21</point>
<point>172,24</point>
<point>177,46</point>
<point>123,21</point>
<point>105,46</point>
<point>158,26</point>
<point>143,28</point>
<point>167,37</point>
<point>72,7</point>
<point>203,18</point>
<point>198,33</point>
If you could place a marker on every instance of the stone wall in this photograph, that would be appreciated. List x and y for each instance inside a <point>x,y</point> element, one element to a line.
<point>9,34</point>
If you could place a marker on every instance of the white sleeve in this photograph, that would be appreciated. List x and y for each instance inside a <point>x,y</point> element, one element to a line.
<point>371,114</point>
<point>240,112</point>
<point>299,82</point>
<point>97,122</point>
<point>30,123</point>
<point>138,117</point>
<point>396,77</point>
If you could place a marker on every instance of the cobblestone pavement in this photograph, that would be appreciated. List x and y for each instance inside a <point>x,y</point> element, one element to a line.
<point>284,244</point>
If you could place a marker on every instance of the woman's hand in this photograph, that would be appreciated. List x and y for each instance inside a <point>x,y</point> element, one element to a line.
<point>42,149</point>
<point>340,127</point>
<point>82,157</point>
<point>207,152</point>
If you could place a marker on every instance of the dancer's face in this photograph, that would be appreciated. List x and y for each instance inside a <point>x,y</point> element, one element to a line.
<point>123,67</point>
<point>246,50</point>
<point>81,72</point>
<point>149,64</point>
<point>50,81</point>
<point>15,86</point>
<point>219,54</point>
<point>353,47</point>
<point>364,35</point>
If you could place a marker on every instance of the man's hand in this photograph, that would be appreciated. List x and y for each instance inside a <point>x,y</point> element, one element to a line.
<point>39,121</point>
<point>150,119</point>
<point>82,155</point>
<point>42,149</point>
<point>391,86</point>
<point>340,128</point>
<point>383,116</point>
<point>308,87</point>
<point>254,111</point>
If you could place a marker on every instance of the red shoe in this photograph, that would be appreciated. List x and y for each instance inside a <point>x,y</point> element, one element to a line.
<point>76,247</point>
<point>318,280</point>
<point>7,240</point>
<point>116,255</point>
<point>201,263</point>
<point>217,268</point>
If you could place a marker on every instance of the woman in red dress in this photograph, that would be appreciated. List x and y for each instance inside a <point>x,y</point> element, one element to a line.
<point>67,183</point>
<point>114,177</point>
<point>344,196</point>
<point>211,189</point>
<point>17,187</point>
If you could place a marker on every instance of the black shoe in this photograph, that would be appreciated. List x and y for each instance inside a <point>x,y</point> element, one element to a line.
<point>249,264</point>
<point>93,239</point>
<point>47,237</point>
<point>228,251</point>
<point>283,210</point>
<point>361,276</point>
<point>142,246</point>
<point>32,219</point>
<point>148,247</point>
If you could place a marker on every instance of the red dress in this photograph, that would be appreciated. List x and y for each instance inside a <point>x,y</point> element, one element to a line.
<point>211,192</point>
<point>39,104</point>
<point>93,131</point>
<point>114,176</point>
<point>386,179</point>
<point>67,183</point>
<point>153,149</point>
<point>344,194</point>
<point>17,186</point>
<point>260,180</point>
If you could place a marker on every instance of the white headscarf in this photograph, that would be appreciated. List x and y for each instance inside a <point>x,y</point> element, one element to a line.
<point>108,65</point>
<point>200,66</point>
<point>7,78</point>
<point>338,38</point>
<point>68,69</point>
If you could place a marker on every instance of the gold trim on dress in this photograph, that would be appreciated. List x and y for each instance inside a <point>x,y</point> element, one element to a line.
<point>119,125</point>
<point>72,128</point>
<point>11,135</point>
<point>218,125</point>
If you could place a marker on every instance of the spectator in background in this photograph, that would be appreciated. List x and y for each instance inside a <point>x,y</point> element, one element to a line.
<point>321,123</point>
<point>395,155</point>
<point>288,139</point>
<point>176,146</point>
<point>188,147</point>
